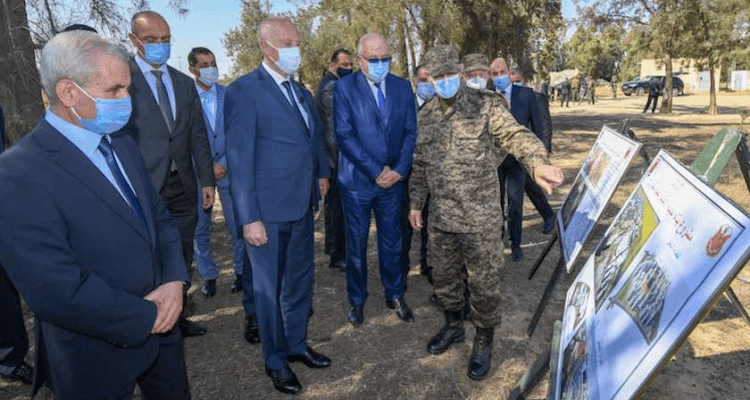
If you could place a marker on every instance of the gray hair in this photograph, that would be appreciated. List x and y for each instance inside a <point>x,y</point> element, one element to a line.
<point>266,24</point>
<point>72,55</point>
<point>367,37</point>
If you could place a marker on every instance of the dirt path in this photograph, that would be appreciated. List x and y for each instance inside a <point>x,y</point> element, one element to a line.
<point>387,359</point>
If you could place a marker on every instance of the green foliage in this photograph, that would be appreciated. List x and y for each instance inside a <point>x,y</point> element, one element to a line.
<point>524,33</point>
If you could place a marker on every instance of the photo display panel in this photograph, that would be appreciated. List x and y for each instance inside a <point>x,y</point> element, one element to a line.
<point>592,189</point>
<point>673,248</point>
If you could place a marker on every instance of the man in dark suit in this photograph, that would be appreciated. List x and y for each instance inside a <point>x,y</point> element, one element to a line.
<point>525,109</point>
<point>335,242</point>
<point>86,239</point>
<point>167,122</point>
<point>278,169</point>
<point>14,344</point>
<point>654,88</point>
<point>376,127</point>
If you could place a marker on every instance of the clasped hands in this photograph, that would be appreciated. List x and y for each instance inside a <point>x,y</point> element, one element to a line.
<point>387,177</point>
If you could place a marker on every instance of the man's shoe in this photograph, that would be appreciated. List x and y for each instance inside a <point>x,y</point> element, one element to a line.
<point>451,332</point>
<point>338,265</point>
<point>517,253</point>
<point>284,380</point>
<point>209,288</point>
<point>252,335</point>
<point>237,284</point>
<point>23,372</point>
<point>189,328</point>
<point>402,309</point>
<point>356,315</point>
<point>311,358</point>
<point>481,354</point>
<point>549,225</point>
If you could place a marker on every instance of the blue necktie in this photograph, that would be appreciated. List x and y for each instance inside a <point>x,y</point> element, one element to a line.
<point>163,99</point>
<point>292,99</point>
<point>109,156</point>
<point>381,98</point>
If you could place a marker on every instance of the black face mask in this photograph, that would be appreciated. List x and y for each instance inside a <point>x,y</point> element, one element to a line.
<point>342,72</point>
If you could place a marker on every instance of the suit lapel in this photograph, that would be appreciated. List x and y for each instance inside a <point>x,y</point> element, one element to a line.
<point>219,108</point>
<point>180,96</point>
<point>139,89</point>
<point>70,158</point>
<point>275,91</point>
<point>366,92</point>
<point>128,164</point>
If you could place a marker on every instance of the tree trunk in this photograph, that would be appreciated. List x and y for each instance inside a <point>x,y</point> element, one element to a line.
<point>713,108</point>
<point>666,104</point>
<point>20,90</point>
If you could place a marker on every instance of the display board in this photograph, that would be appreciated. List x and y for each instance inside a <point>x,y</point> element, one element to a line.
<point>592,189</point>
<point>672,249</point>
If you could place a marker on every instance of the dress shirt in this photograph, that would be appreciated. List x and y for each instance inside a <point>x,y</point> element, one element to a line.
<point>88,143</point>
<point>208,101</point>
<point>374,89</point>
<point>146,69</point>
<point>279,80</point>
<point>507,93</point>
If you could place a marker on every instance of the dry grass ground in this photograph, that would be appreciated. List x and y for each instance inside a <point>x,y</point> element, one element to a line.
<point>387,359</point>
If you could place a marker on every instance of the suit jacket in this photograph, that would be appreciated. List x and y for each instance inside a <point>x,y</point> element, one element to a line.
<point>369,140</point>
<point>185,144</point>
<point>273,158</point>
<point>79,256</point>
<point>2,130</point>
<point>525,109</point>
<point>216,136</point>
<point>543,103</point>
<point>324,107</point>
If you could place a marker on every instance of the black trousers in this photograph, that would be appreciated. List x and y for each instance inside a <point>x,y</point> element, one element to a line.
<point>335,242</point>
<point>648,103</point>
<point>14,343</point>
<point>181,206</point>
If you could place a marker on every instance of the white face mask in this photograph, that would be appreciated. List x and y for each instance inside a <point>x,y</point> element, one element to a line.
<point>477,82</point>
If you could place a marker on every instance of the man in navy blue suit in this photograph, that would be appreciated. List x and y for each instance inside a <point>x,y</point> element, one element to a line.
<point>525,109</point>
<point>86,239</point>
<point>278,168</point>
<point>376,128</point>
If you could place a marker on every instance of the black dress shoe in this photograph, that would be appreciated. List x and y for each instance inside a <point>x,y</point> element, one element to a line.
<point>252,335</point>
<point>284,380</point>
<point>189,328</point>
<point>338,265</point>
<point>23,372</point>
<point>517,253</point>
<point>356,315</point>
<point>311,358</point>
<point>237,284</point>
<point>209,288</point>
<point>402,309</point>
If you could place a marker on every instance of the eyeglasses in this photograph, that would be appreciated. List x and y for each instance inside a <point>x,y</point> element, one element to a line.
<point>375,60</point>
<point>156,40</point>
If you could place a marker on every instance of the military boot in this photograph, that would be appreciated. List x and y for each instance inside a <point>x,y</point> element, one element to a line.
<point>451,332</point>
<point>481,353</point>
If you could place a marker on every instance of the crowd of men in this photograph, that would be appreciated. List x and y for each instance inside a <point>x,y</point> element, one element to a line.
<point>107,201</point>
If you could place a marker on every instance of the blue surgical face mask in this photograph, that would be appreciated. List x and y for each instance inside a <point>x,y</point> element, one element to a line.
<point>289,60</point>
<point>111,114</point>
<point>377,71</point>
<point>156,53</point>
<point>209,75</point>
<point>448,87</point>
<point>501,82</point>
<point>425,90</point>
<point>477,82</point>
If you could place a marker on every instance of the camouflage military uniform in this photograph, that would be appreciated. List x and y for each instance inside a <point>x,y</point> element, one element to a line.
<point>455,160</point>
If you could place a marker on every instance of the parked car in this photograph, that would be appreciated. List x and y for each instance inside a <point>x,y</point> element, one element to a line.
<point>639,85</point>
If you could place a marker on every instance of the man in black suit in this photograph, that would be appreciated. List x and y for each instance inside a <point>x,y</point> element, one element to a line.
<point>335,242</point>
<point>525,109</point>
<point>654,87</point>
<point>14,344</point>
<point>167,122</point>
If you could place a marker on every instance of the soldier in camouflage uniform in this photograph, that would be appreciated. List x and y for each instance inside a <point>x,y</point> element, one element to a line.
<point>463,137</point>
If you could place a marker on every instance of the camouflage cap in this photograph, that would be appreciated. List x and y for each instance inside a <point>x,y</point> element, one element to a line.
<point>441,59</point>
<point>474,61</point>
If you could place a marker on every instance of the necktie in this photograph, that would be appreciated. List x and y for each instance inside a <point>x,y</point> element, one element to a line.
<point>292,99</point>
<point>107,152</point>
<point>381,98</point>
<point>163,99</point>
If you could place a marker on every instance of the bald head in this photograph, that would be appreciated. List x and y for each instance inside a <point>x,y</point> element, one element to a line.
<point>276,33</point>
<point>498,67</point>
<point>143,19</point>
<point>371,46</point>
<point>150,28</point>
